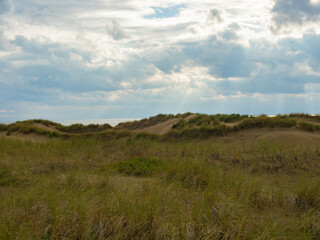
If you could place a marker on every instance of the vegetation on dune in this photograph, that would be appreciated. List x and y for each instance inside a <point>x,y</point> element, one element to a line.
<point>308,126</point>
<point>230,118</point>
<point>206,126</point>
<point>266,122</point>
<point>304,115</point>
<point>27,128</point>
<point>80,128</point>
<point>99,182</point>
<point>197,126</point>
<point>140,166</point>
<point>146,122</point>
<point>53,129</point>
<point>137,188</point>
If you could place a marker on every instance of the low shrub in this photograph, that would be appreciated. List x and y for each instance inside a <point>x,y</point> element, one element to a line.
<point>180,125</point>
<point>306,126</point>
<point>140,166</point>
<point>230,118</point>
<point>201,119</point>
<point>261,122</point>
<point>3,127</point>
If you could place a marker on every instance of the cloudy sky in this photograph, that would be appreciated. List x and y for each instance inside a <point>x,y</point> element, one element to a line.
<point>76,59</point>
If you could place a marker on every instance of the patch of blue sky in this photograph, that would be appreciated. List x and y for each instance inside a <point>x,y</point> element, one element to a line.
<point>167,12</point>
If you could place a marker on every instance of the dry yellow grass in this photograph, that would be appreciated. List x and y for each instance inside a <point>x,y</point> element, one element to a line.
<point>277,135</point>
<point>205,189</point>
<point>28,137</point>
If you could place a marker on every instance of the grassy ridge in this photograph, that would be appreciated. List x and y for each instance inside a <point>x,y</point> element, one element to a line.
<point>200,126</point>
<point>137,188</point>
<point>143,123</point>
<point>57,130</point>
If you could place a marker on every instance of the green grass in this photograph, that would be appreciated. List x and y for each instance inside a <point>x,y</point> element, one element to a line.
<point>140,166</point>
<point>110,187</point>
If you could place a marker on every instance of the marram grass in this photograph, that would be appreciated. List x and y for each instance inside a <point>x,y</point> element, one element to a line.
<point>86,188</point>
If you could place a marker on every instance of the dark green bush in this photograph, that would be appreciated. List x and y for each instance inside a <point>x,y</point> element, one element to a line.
<point>184,115</point>
<point>306,126</point>
<point>230,118</point>
<point>3,127</point>
<point>261,122</point>
<point>180,125</point>
<point>140,166</point>
<point>200,119</point>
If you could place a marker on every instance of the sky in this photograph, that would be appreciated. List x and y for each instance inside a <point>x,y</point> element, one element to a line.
<point>76,59</point>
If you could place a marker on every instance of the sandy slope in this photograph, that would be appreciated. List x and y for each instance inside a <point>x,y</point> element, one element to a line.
<point>44,127</point>
<point>160,128</point>
<point>164,127</point>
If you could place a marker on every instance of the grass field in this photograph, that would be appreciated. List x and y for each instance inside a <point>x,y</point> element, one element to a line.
<point>246,185</point>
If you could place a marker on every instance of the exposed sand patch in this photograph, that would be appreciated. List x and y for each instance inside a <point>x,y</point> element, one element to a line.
<point>4,133</point>
<point>44,127</point>
<point>160,128</point>
<point>231,124</point>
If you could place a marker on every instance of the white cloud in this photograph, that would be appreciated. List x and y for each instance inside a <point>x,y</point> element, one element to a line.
<point>136,54</point>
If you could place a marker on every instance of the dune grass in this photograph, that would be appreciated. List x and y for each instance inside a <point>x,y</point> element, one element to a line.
<point>136,188</point>
<point>201,126</point>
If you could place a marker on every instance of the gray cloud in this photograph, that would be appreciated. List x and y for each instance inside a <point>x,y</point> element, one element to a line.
<point>286,12</point>
<point>4,6</point>
<point>80,68</point>
<point>115,31</point>
<point>44,73</point>
<point>224,59</point>
<point>32,81</point>
<point>229,35</point>
<point>214,16</point>
<point>165,59</point>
